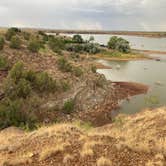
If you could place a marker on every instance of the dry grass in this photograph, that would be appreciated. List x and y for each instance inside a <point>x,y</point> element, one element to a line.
<point>102,161</point>
<point>50,151</point>
<point>17,161</point>
<point>67,158</point>
<point>87,149</point>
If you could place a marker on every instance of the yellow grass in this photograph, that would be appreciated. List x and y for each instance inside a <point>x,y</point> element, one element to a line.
<point>102,161</point>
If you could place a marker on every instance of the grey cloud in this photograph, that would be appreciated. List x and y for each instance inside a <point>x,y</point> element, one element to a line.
<point>85,14</point>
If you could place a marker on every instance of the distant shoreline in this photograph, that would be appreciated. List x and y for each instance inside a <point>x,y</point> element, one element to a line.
<point>152,34</point>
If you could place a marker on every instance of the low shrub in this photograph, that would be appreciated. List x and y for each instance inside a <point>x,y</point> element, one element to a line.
<point>26,35</point>
<point>2,43</point>
<point>64,85</point>
<point>77,71</point>
<point>90,48</point>
<point>16,73</point>
<point>23,88</point>
<point>64,65</point>
<point>11,114</point>
<point>93,69</point>
<point>3,63</point>
<point>11,32</point>
<point>68,106</point>
<point>34,45</point>
<point>15,42</point>
<point>56,44</point>
<point>45,83</point>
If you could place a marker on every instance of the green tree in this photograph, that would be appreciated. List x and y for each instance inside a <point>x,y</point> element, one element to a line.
<point>77,39</point>
<point>120,44</point>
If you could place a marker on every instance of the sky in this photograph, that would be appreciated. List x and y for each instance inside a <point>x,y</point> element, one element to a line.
<point>147,15</point>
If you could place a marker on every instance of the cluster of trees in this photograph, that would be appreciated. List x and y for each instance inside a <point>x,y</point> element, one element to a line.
<point>119,44</point>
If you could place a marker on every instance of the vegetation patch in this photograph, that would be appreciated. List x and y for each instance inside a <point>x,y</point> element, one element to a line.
<point>15,42</point>
<point>68,106</point>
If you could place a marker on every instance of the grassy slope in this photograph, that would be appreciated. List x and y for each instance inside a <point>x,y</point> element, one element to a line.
<point>130,140</point>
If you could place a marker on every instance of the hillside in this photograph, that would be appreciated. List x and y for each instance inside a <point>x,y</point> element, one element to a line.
<point>130,140</point>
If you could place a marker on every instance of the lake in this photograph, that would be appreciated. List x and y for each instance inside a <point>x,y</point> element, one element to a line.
<point>149,72</point>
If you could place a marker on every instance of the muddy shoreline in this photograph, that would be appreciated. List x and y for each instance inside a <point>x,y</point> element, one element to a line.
<point>101,114</point>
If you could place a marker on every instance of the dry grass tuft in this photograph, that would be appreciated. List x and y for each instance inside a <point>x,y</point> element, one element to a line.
<point>102,161</point>
<point>67,158</point>
<point>49,151</point>
<point>17,162</point>
<point>87,149</point>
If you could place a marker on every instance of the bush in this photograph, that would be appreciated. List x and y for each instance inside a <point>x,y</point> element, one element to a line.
<point>26,35</point>
<point>23,88</point>
<point>64,65</point>
<point>11,114</point>
<point>119,44</point>
<point>93,69</point>
<point>64,85</point>
<point>34,46</point>
<point>77,71</point>
<point>11,32</point>
<point>45,83</point>
<point>2,42</point>
<point>15,42</point>
<point>16,73</point>
<point>68,106</point>
<point>90,48</point>
<point>56,44</point>
<point>77,39</point>
<point>3,63</point>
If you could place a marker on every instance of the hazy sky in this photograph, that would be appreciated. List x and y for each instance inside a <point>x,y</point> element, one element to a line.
<point>85,14</point>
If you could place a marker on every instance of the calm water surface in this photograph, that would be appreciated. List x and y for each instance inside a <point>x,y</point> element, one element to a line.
<point>149,72</point>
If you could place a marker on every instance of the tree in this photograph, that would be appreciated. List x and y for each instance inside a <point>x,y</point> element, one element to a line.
<point>120,44</point>
<point>77,39</point>
<point>91,39</point>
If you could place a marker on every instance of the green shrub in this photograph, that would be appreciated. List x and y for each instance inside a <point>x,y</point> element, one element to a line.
<point>120,44</point>
<point>2,42</point>
<point>11,32</point>
<point>68,106</point>
<point>64,65</point>
<point>3,63</point>
<point>26,35</point>
<point>34,46</point>
<point>23,88</point>
<point>16,72</point>
<point>56,44</point>
<point>45,83</point>
<point>90,48</point>
<point>30,76</point>
<point>20,89</point>
<point>15,42</point>
<point>11,114</point>
<point>77,71</point>
<point>64,85</point>
<point>77,39</point>
<point>93,69</point>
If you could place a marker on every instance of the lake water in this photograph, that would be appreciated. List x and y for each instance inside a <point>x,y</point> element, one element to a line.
<point>149,72</point>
